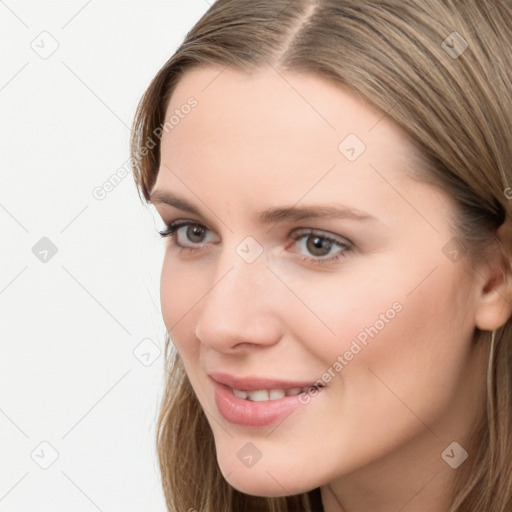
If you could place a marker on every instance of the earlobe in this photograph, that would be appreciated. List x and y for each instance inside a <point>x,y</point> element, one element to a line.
<point>495,306</point>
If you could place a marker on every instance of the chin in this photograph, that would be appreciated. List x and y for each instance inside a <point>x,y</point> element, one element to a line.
<point>261,484</point>
<point>259,480</point>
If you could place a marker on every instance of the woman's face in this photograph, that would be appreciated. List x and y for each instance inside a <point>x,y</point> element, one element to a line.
<point>311,257</point>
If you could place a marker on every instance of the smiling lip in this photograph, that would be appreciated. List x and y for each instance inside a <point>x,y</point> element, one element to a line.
<point>250,413</point>
<point>254,383</point>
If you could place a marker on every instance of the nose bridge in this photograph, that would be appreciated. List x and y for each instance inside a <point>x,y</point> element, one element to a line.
<point>240,306</point>
<point>241,269</point>
<point>239,285</point>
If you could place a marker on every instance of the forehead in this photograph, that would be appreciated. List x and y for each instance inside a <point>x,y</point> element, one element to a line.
<point>271,132</point>
<point>272,101</point>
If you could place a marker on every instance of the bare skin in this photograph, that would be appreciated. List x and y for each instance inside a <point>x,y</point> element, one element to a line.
<point>373,437</point>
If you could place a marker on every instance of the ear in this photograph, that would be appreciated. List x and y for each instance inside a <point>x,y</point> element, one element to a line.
<point>495,300</point>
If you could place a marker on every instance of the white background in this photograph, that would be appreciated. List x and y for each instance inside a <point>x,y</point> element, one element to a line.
<point>69,325</point>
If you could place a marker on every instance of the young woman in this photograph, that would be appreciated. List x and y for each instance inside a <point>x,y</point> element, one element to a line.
<point>334,177</point>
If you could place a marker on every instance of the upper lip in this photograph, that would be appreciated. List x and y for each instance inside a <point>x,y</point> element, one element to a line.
<point>250,383</point>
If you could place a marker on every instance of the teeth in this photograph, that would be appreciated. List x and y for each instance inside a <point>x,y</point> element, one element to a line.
<point>263,395</point>
<point>275,394</point>
<point>239,394</point>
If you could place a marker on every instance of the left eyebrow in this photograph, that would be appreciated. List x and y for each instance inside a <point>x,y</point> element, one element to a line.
<point>273,215</point>
<point>295,213</point>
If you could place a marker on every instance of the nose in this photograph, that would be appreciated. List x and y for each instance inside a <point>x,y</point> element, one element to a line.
<point>241,308</point>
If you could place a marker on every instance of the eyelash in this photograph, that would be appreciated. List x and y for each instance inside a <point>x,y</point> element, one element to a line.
<point>171,229</point>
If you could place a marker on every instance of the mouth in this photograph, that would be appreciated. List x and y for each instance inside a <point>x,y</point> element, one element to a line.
<point>259,389</point>
<point>257,402</point>
<point>263,395</point>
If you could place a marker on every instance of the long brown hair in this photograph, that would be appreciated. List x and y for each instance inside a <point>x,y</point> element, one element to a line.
<point>442,70</point>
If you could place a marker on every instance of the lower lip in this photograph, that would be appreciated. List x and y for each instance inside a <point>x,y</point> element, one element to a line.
<point>254,414</point>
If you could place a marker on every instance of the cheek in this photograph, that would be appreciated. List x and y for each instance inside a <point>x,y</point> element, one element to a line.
<point>402,359</point>
<point>180,290</point>
<point>386,340</point>
<point>413,362</point>
<point>342,313</point>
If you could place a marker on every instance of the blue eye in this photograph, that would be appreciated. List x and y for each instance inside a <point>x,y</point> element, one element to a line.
<point>322,248</point>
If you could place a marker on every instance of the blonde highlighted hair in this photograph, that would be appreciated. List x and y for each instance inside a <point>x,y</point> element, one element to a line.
<point>451,94</point>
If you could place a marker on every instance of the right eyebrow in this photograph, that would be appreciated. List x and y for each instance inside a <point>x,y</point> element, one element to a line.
<point>160,196</point>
